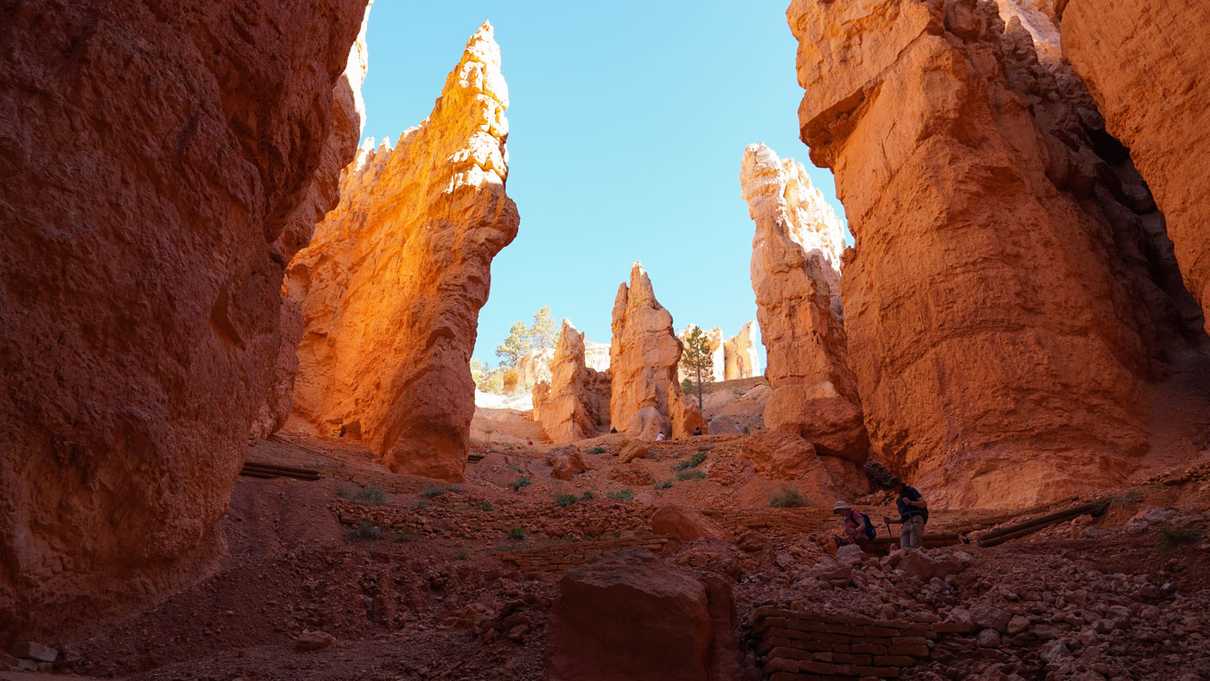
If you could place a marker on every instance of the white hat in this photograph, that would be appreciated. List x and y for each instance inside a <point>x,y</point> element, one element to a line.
<point>841,505</point>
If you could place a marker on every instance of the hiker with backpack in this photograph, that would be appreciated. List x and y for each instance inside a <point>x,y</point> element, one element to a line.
<point>857,526</point>
<point>913,512</point>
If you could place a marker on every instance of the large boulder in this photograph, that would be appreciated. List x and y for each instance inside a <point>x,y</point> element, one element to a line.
<point>685,524</point>
<point>999,305</point>
<point>796,276</point>
<point>630,617</point>
<point>398,272</point>
<point>644,355</point>
<point>156,161</point>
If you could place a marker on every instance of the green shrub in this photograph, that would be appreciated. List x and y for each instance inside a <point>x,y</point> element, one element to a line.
<point>665,484</point>
<point>565,500</point>
<point>486,505</point>
<point>431,491</point>
<point>691,475</point>
<point>692,462</point>
<point>621,495</point>
<point>365,531</point>
<point>421,503</point>
<point>516,534</point>
<point>587,496</point>
<point>787,498</point>
<point>520,484</point>
<point>365,495</point>
<point>597,450</point>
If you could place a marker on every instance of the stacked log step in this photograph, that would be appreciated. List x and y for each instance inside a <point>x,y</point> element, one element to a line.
<point>266,471</point>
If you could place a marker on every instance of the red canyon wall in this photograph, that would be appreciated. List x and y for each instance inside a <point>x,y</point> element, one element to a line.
<point>1145,64</point>
<point>397,273</point>
<point>999,310</point>
<point>153,155</point>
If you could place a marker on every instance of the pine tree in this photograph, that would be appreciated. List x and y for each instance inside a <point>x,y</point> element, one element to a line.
<point>696,359</point>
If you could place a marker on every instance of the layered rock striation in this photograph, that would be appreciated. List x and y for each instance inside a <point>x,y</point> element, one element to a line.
<point>644,355</point>
<point>740,359</point>
<point>574,404</point>
<point>1144,62</point>
<point>398,272</point>
<point>796,277</point>
<point>1006,300</point>
<point>157,161</point>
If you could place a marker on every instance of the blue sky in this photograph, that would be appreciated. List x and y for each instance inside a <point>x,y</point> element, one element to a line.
<point>628,121</point>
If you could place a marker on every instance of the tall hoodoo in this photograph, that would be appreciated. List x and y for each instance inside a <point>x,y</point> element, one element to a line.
<point>796,276</point>
<point>740,357</point>
<point>644,355</point>
<point>572,405</point>
<point>153,191</point>
<point>993,303</point>
<point>1144,62</point>
<point>398,272</point>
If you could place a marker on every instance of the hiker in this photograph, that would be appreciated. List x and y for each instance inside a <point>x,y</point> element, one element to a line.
<point>659,437</point>
<point>857,526</point>
<point>913,512</point>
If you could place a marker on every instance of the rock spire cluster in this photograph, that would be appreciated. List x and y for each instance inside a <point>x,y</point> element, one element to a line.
<point>397,273</point>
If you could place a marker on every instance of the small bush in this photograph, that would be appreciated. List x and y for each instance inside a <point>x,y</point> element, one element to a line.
<point>692,462</point>
<point>520,484</point>
<point>787,498</point>
<point>431,491</point>
<point>597,450</point>
<point>587,496</point>
<point>691,475</point>
<point>421,503</point>
<point>486,505</point>
<point>666,484</point>
<point>365,531</point>
<point>516,534</point>
<point>1172,538</point>
<point>364,495</point>
<point>621,495</point>
<point>565,500</point>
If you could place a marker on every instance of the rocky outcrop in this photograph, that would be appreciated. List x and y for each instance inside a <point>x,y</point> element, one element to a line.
<point>1000,313</point>
<point>153,156</point>
<point>574,405</point>
<point>532,368</point>
<point>644,354</point>
<point>397,274</point>
<point>349,117</point>
<point>740,359</point>
<point>630,617</point>
<point>1144,62</point>
<point>796,277</point>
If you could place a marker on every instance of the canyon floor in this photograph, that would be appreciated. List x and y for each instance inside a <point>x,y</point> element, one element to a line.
<point>413,580</point>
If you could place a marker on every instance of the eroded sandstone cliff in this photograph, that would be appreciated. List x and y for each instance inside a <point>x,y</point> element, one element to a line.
<point>795,273</point>
<point>156,157</point>
<point>1000,306</point>
<point>644,354</point>
<point>1144,62</point>
<point>398,272</point>
<point>740,359</point>
<point>574,404</point>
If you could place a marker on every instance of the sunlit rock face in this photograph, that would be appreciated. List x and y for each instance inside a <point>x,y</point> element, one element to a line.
<point>322,195</point>
<point>398,272</point>
<point>154,156</point>
<point>740,359</point>
<point>1145,63</point>
<point>574,404</point>
<point>796,277</point>
<point>645,395</point>
<point>532,368</point>
<point>718,361</point>
<point>999,306</point>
